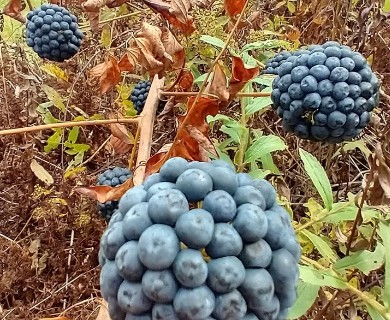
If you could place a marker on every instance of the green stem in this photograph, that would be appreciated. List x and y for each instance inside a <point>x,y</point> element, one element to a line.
<point>361,295</point>
<point>245,138</point>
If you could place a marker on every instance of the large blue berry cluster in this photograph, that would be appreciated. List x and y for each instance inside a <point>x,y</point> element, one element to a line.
<point>53,32</point>
<point>326,93</point>
<point>234,257</point>
<point>111,177</point>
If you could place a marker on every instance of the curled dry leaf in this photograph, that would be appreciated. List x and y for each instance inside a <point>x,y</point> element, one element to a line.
<point>120,139</point>
<point>13,9</point>
<point>186,145</point>
<point>119,146</point>
<point>203,4</point>
<point>218,85</point>
<point>106,193</point>
<point>186,81</point>
<point>240,76</point>
<point>108,73</point>
<point>176,12</point>
<point>234,7</point>
<point>176,56</point>
<point>379,190</point>
<point>41,173</point>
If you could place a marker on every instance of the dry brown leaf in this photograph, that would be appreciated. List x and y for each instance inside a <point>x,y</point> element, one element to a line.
<point>108,73</point>
<point>234,7</point>
<point>218,85</point>
<point>128,60</point>
<point>41,173</point>
<point>240,76</point>
<point>106,193</point>
<point>56,318</point>
<point>13,9</point>
<point>186,81</point>
<point>184,144</point>
<point>176,12</point>
<point>120,139</point>
<point>119,146</point>
<point>169,106</point>
<point>379,190</point>
<point>203,4</point>
<point>174,49</point>
<point>202,139</point>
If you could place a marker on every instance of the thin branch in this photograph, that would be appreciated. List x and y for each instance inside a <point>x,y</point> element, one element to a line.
<point>191,94</point>
<point>68,124</point>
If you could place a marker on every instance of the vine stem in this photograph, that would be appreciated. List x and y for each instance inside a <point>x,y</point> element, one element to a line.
<point>191,94</point>
<point>68,124</point>
<point>230,36</point>
<point>361,295</point>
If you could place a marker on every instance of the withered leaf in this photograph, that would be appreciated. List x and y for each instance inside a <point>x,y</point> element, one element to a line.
<point>234,7</point>
<point>185,145</point>
<point>202,139</point>
<point>240,76</point>
<point>186,81</point>
<point>13,9</point>
<point>174,49</point>
<point>106,193</point>
<point>119,146</point>
<point>176,12</point>
<point>218,85</point>
<point>108,73</point>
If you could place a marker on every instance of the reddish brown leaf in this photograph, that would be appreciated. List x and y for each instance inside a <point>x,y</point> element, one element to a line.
<point>176,12</point>
<point>108,73</point>
<point>202,139</point>
<point>240,76</point>
<point>218,85</point>
<point>13,9</point>
<point>234,7</point>
<point>186,81</point>
<point>120,139</point>
<point>93,18</point>
<point>127,62</point>
<point>186,144</point>
<point>106,193</point>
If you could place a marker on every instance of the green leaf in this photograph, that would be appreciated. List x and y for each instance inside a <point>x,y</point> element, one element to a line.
<point>375,315</point>
<point>106,36</point>
<point>327,278</point>
<point>266,45</point>
<point>257,104</point>
<point>264,80</point>
<point>234,131</point>
<point>54,97</point>
<point>323,248</point>
<point>384,233</point>
<point>73,135</point>
<point>262,146</point>
<point>202,78</point>
<point>318,176</point>
<point>366,261</point>
<point>53,141</point>
<point>214,41</point>
<point>290,7</point>
<point>306,296</point>
<point>259,173</point>
<point>386,6</point>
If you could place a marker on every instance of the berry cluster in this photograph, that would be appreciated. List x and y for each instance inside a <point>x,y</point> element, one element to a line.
<point>234,258</point>
<point>273,64</point>
<point>139,95</point>
<point>325,93</point>
<point>111,177</point>
<point>53,32</point>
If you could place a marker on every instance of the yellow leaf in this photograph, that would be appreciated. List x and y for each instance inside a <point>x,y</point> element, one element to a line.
<point>290,7</point>
<point>71,173</point>
<point>54,71</point>
<point>41,173</point>
<point>314,208</point>
<point>106,36</point>
<point>54,97</point>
